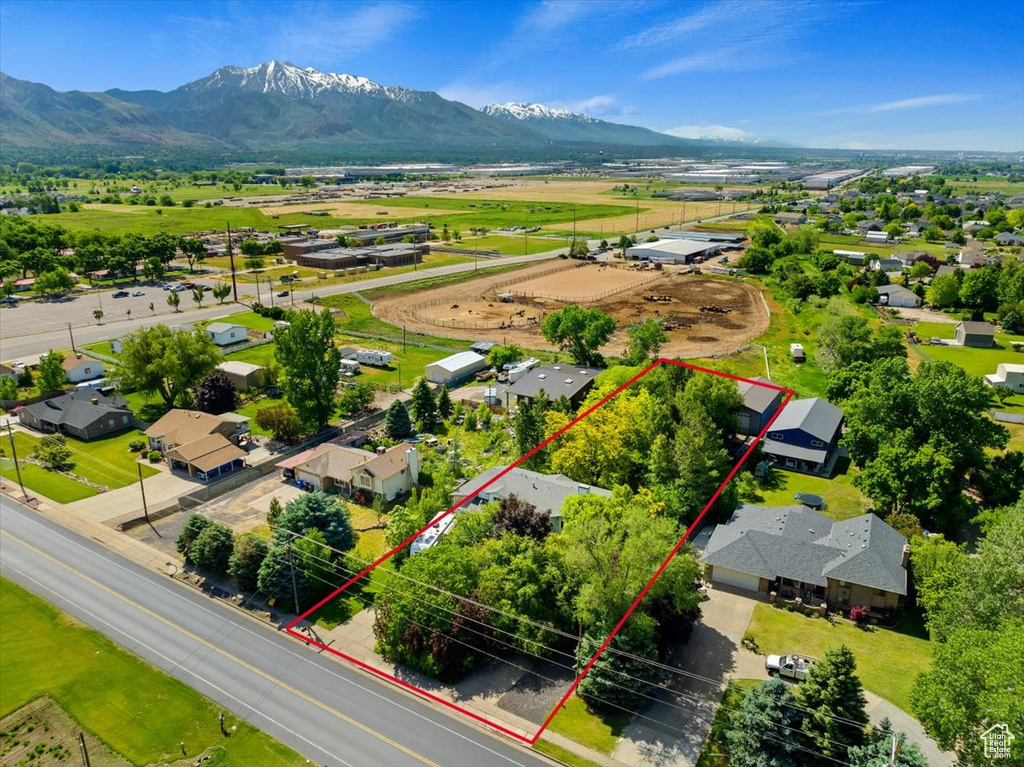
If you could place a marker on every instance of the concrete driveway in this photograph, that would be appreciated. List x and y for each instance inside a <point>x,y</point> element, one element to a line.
<point>672,729</point>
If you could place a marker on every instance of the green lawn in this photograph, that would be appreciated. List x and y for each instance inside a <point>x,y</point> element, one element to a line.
<point>412,361</point>
<point>715,752</point>
<point>562,755</point>
<point>38,480</point>
<point>255,355</point>
<point>137,710</point>
<point>600,733</point>
<point>147,407</point>
<point>509,245</point>
<point>977,362</point>
<point>844,500</point>
<point>103,347</point>
<point>888,661</point>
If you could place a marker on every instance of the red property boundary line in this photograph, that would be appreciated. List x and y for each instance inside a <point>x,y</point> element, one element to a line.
<point>290,628</point>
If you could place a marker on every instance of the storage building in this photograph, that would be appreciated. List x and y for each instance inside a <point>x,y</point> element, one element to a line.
<point>452,370</point>
<point>673,251</point>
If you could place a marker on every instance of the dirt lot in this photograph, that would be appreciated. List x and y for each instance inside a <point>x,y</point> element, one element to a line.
<point>353,210</point>
<point>42,734</point>
<point>692,332</point>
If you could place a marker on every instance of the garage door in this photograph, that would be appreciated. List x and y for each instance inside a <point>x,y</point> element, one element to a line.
<point>727,577</point>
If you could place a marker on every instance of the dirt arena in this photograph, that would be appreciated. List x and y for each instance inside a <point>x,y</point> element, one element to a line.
<point>353,209</point>
<point>703,317</point>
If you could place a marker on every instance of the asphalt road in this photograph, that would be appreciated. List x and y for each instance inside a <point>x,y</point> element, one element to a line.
<point>36,327</point>
<point>331,714</point>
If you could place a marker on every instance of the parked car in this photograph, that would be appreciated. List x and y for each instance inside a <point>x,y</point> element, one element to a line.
<point>790,666</point>
<point>283,294</point>
<point>120,294</point>
<point>138,293</point>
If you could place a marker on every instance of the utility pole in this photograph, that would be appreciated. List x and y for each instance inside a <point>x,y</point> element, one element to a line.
<point>73,349</point>
<point>270,289</point>
<point>231,258</point>
<point>637,214</point>
<point>142,489</point>
<point>258,289</point>
<point>17,466</point>
<point>84,749</point>
<point>291,564</point>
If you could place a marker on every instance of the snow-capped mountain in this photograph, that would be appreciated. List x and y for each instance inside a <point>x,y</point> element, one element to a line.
<point>285,79</point>
<point>527,112</point>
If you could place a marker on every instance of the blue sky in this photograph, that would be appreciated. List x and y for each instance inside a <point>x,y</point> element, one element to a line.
<point>860,74</point>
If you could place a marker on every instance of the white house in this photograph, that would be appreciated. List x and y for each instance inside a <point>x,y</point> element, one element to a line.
<point>79,368</point>
<point>887,265</point>
<point>897,296</point>
<point>455,368</point>
<point>1007,376</point>
<point>226,333</point>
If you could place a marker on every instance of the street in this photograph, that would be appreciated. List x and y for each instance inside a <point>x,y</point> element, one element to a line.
<point>332,714</point>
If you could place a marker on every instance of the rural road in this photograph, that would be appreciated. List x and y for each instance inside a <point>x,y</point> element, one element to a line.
<point>37,327</point>
<point>331,714</point>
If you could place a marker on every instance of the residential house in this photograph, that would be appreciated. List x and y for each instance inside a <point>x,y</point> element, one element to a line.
<point>793,219</point>
<point>971,254</point>
<point>84,415</point>
<point>887,265</point>
<point>243,375</point>
<point>796,552</point>
<point>946,269</point>
<point>759,404</point>
<point>79,368</point>
<point>6,371</point>
<point>1007,376</point>
<point>348,470</point>
<point>870,225</point>
<point>204,445</point>
<point>1009,238</point>
<point>897,296</point>
<point>805,436</point>
<point>545,492</point>
<point>571,381</point>
<point>909,257</point>
<point>227,333</point>
<point>981,335</point>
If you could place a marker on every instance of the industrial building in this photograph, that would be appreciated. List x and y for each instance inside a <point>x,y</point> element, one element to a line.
<point>732,238</point>
<point>673,251</point>
<point>908,170</point>
<point>397,254</point>
<point>830,178</point>
<point>456,368</point>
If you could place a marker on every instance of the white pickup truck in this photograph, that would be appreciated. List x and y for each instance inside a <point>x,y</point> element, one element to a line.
<point>792,666</point>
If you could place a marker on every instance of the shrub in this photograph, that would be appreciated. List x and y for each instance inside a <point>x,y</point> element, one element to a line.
<point>750,643</point>
<point>154,456</point>
<point>137,445</point>
<point>211,551</point>
<point>859,614</point>
<point>194,525</point>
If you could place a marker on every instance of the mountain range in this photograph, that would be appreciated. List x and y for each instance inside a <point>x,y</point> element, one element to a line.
<point>278,108</point>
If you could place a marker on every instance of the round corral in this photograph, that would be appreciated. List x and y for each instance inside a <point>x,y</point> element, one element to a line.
<point>480,314</point>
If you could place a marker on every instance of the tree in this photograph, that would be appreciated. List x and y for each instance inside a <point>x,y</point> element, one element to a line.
<point>8,388</point>
<point>281,579</point>
<point>221,291</point>
<point>50,375</point>
<point>311,364</point>
<point>198,294</point>
<point>625,243</point>
<point>55,282</point>
<point>54,453</point>
<point>397,423</point>
<point>194,525</point>
<point>317,561</point>
<point>757,260</point>
<point>422,405</point>
<point>356,398</point>
<point>319,511</point>
<point>517,517</point>
<point>211,551</point>
<point>215,394</point>
<point>833,696</point>
<point>248,555</point>
<point>501,356</point>
<point>194,251</point>
<point>877,749</point>
<point>760,732</point>
<point>529,427</point>
<point>444,403</point>
<point>580,332</point>
<point>98,316</point>
<point>166,362</point>
<point>980,289</point>
<point>624,674</point>
<point>281,420</point>
<point>944,291</point>
<point>153,269</point>
<point>645,340</point>
<point>173,300</point>
<point>717,396</point>
<point>274,511</point>
<point>255,264</point>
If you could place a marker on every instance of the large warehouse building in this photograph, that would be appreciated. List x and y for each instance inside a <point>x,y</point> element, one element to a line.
<point>454,369</point>
<point>396,254</point>
<point>674,251</point>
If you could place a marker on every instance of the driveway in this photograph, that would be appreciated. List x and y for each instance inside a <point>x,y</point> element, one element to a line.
<point>672,729</point>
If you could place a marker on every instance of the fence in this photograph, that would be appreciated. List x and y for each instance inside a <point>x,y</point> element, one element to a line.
<point>466,251</point>
<point>592,296</point>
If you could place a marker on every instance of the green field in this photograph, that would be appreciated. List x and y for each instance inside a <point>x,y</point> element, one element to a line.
<point>137,710</point>
<point>409,363</point>
<point>843,499</point>
<point>977,362</point>
<point>509,245</point>
<point>888,660</point>
<point>360,319</point>
<point>601,733</point>
<point>984,184</point>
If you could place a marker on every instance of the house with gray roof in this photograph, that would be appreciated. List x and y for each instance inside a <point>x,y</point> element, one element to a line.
<point>981,335</point>
<point>759,404</point>
<point>805,436</point>
<point>545,492</point>
<point>84,415</point>
<point>1009,238</point>
<point>572,381</point>
<point>897,296</point>
<point>797,552</point>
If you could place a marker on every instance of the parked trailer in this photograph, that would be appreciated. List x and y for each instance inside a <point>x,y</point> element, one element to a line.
<point>374,357</point>
<point>349,367</point>
<point>440,525</point>
<point>521,369</point>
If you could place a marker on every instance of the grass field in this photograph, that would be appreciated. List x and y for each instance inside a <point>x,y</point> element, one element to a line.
<point>888,660</point>
<point>977,362</point>
<point>138,711</point>
<point>843,499</point>
<point>984,184</point>
<point>39,480</point>
<point>600,733</point>
<point>563,755</point>
<point>360,319</point>
<point>509,245</point>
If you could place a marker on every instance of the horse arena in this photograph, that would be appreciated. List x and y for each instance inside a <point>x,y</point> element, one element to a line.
<point>703,317</point>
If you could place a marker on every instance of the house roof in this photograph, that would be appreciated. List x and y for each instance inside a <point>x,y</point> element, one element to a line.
<point>220,327</point>
<point>459,362</point>
<point>978,328</point>
<point>546,492</point>
<point>179,427</point>
<point>800,544</point>
<point>554,381</point>
<point>899,290</point>
<point>815,416</point>
<point>239,368</point>
<point>207,452</point>
<point>340,462</point>
<point>757,398</point>
<point>76,409</point>
<point>72,361</point>
<point>388,463</point>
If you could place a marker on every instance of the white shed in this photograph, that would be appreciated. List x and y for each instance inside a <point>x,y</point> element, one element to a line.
<point>455,368</point>
<point>897,296</point>
<point>673,251</point>
<point>226,333</point>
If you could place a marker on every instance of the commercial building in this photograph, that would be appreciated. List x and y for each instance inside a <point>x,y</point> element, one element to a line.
<point>673,251</point>
<point>454,369</point>
<point>396,254</point>
<point>830,178</point>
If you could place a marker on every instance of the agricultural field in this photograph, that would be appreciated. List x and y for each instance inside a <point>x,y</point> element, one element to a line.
<point>703,316</point>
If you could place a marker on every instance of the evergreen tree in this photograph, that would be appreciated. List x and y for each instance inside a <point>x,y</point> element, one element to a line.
<point>763,731</point>
<point>244,565</point>
<point>831,693</point>
<point>618,680</point>
<point>444,403</point>
<point>397,423</point>
<point>422,405</point>
<point>274,511</point>
<point>877,749</point>
<point>212,548</point>
<point>529,426</point>
<point>194,525</point>
<point>275,578</point>
<point>318,511</point>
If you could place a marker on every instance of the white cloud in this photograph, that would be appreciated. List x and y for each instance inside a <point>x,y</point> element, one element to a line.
<point>320,32</point>
<point>710,131</point>
<point>553,15</point>
<point>940,99</point>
